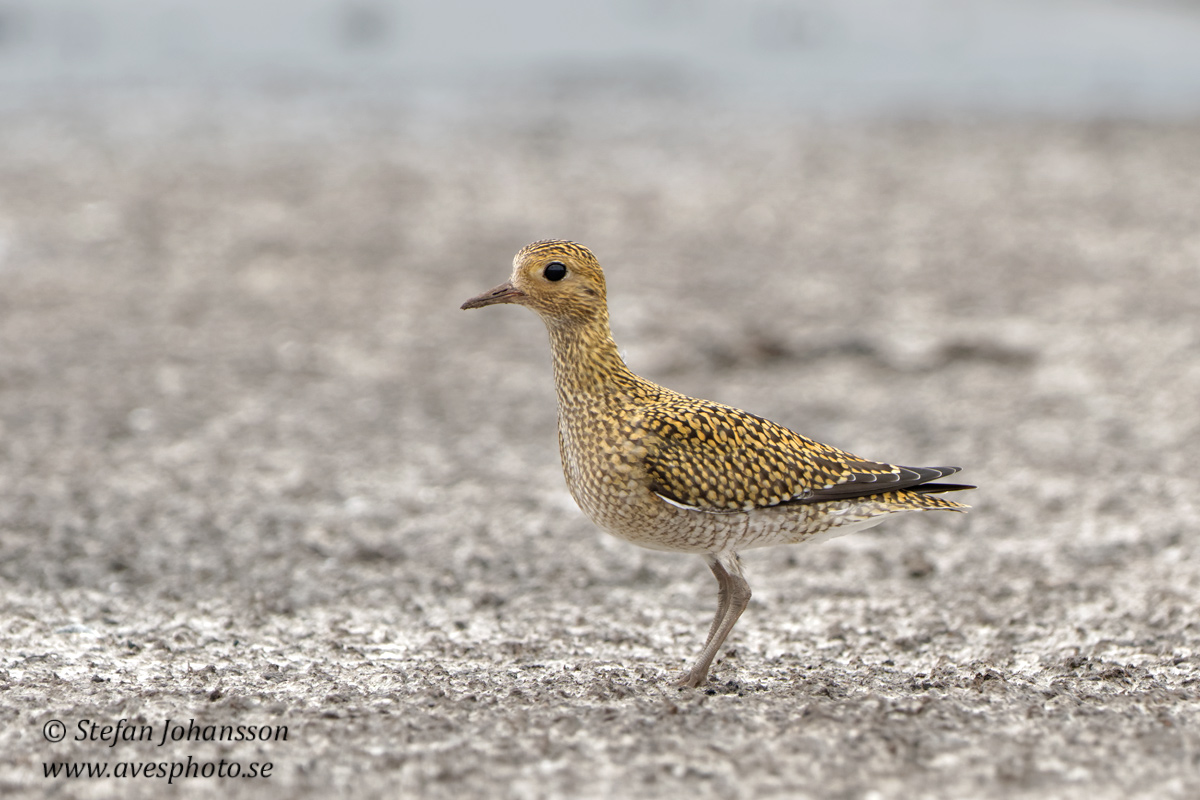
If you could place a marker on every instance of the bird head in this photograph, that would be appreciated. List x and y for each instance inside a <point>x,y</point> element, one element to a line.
<point>561,281</point>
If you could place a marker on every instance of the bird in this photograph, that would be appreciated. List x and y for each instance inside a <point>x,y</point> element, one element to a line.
<point>675,473</point>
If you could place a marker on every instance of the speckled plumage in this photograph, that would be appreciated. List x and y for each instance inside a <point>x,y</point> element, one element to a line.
<point>671,472</point>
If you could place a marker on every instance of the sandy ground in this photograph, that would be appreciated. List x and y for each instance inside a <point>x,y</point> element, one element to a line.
<point>256,467</point>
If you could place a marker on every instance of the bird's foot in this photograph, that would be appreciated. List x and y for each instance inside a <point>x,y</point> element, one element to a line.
<point>692,679</point>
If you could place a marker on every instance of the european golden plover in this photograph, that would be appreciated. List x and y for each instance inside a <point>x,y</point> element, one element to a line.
<point>671,472</point>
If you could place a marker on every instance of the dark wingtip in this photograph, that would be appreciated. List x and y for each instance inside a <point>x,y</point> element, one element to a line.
<point>906,479</point>
<point>939,472</point>
<point>938,488</point>
<point>930,474</point>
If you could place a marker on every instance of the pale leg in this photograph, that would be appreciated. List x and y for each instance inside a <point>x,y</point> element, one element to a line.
<point>733,595</point>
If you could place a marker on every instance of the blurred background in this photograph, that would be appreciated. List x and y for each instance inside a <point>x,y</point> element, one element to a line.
<point>1066,57</point>
<point>252,455</point>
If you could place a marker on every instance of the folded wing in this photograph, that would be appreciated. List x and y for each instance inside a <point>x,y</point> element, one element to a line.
<point>716,458</point>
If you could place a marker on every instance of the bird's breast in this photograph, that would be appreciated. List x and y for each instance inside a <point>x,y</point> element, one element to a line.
<point>604,463</point>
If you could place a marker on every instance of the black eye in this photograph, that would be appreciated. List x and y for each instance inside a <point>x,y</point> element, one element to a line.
<point>555,271</point>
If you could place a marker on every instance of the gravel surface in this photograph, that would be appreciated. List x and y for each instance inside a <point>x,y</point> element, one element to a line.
<point>256,468</point>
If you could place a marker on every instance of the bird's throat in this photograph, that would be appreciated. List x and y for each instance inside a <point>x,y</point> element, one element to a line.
<point>586,361</point>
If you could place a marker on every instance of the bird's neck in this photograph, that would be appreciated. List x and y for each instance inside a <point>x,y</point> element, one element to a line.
<point>587,365</point>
